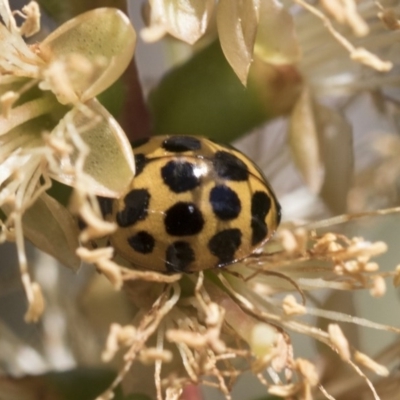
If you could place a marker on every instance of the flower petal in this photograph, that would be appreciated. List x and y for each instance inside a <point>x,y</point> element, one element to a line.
<point>322,144</point>
<point>51,228</point>
<point>337,145</point>
<point>276,40</point>
<point>110,161</point>
<point>16,58</point>
<point>304,141</point>
<point>104,37</point>
<point>237,27</point>
<point>186,20</point>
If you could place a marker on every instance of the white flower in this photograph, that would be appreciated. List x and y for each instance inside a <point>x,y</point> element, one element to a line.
<point>52,127</point>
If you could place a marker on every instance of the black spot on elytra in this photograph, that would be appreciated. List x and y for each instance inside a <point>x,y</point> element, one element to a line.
<point>224,245</point>
<point>136,206</point>
<point>105,204</point>
<point>178,256</point>
<point>142,242</point>
<point>225,202</point>
<point>140,162</point>
<point>230,167</point>
<point>183,219</point>
<point>179,176</point>
<point>260,206</point>
<point>181,143</point>
<point>139,142</point>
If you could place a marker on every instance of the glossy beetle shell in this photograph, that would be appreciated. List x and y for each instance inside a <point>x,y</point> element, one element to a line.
<point>193,205</point>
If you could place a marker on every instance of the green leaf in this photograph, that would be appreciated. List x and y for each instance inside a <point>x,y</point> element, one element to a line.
<point>204,97</point>
<point>60,192</point>
<point>113,98</point>
<point>59,10</point>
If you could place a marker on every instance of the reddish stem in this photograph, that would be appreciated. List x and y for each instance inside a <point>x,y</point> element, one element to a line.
<point>134,118</point>
<point>191,392</point>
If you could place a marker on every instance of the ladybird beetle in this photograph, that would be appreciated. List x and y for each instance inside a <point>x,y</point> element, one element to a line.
<point>193,205</point>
